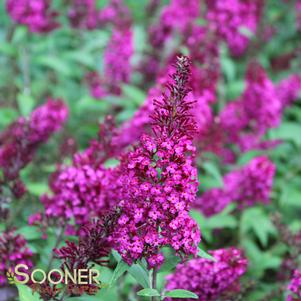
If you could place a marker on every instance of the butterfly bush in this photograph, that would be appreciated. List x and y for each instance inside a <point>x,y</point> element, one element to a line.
<point>204,53</point>
<point>246,186</point>
<point>117,59</point>
<point>289,89</point>
<point>177,16</point>
<point>258,109</point>
<point>92,247</point>
<point>115,13</point>
<point>13,251</point>
<point>86,189</point>
<point>19,142</point>
<point>117,54</point>
<point>242,122</point>
<point>208,279</point>
<point>294,287</point>
<point>245,121</point>
<point>132,188</point>
<point>132,129</point>
<point>83,14</point>
<point>159,182</point>
<point>228,19</point>
<point>36,14</point>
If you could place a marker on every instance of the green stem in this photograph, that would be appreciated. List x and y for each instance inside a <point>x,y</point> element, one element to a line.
<point>57,243</point>
<point>154,283</point>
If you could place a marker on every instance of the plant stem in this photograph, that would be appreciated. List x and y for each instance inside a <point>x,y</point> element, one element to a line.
<point>58,241</point>
<point>154,283</point>
<point>15,215</point>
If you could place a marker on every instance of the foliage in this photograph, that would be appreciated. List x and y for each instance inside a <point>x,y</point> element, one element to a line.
<point>102,64</point>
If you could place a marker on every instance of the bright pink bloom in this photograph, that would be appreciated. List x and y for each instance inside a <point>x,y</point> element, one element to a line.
<point>209,279</point>
<point>36,14</point>
<point>86,189</point>
<point>14,251</point>
<point>117,60</point>
<point>159,182</point>
<point>115,13</point>
<point>246,186</point>
<point>295,287</point>
<point>175,17</point>
<point>228,18</point>
<point>289,89</point>
<point>19,142</point>
<point>247,119</point>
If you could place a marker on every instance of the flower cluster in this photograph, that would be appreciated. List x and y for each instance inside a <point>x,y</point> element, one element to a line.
<point>132,129</point>
<point>295,287</point>
<point>210,279</point>
<point>118,53</point>
<point>288,90</point>
<point>92,247</point>
<point>85,189</point>
<point>19,142</point>
<point>245,121</point>
<point>229,19</point>
<point>96,84</point>
<point>257,110</point>
<point>117,58</point>
<point>177,16</point>
<point>14,251</point>
<point>246,186</point>
<point>80,193</point>
<point>83,14</point>
<point>159,181</point>
<point>204,53</point>
<point>36,14</point>
<point>115,13</point>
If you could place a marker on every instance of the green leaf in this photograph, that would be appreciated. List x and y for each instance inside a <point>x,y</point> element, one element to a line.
<point>221,221</point>
<point>140,274</point>
<point>245,31</point>
<point>25,293</point>
<point>29,232</point>
<point>287,131</point>
<point>8,49</point>
<point>81,57</point>
<point>136,270</point>
<point>37,188</point>
<point>148,292</point>
<point>116,255</point>
<point>57,64</point>
<point>259,261</point>
<point>120,269</point>
<point>179,293</point>
<point>203,254</point>
<point>229,68</point>
<point>213,170</point>
<point>247,157</point>
<point>290,196</point>
<point>234,89</point>
<point>170,261</point>
<point>140,38</point>
<point>255,219</point>
<point>89,104</point>
<point>25,103</point>
<point>111,163</point>
<point>134,94</point>
<point>7,115</point>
